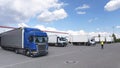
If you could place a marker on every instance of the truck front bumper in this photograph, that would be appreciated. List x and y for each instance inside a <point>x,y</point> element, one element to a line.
<point>40,53</point>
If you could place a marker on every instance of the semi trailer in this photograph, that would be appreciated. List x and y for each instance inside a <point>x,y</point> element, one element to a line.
<point>27,41</point>
<point>82,40</point>
<point>102,38</point>
<point>97,39</point>
<point>106,39</point>
<point>109,39</point>
<point>55,40</point>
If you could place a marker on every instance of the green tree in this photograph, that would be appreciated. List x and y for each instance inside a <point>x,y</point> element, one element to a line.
<point>114,37</point>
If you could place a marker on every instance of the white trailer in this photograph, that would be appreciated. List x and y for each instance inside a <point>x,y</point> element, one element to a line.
<point>97,39</point>
<point>56,40</point>
<point>102,38</point>
<point>81,39</point>
<point>109,39</point>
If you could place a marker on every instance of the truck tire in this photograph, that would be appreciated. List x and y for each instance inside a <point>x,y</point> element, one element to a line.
<point>65,45</point>
<point>28,53</point>
<point>56,45</point>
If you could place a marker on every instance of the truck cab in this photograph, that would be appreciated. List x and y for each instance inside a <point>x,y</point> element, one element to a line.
<point>36,42</point>
<point>55,40</point>
<point>62,41</point>
<point>91,41</point>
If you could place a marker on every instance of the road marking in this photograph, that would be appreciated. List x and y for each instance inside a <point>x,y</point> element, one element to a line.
<point>71,62</point>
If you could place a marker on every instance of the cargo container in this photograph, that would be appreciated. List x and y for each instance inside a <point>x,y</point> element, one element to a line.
<point>81,39</point>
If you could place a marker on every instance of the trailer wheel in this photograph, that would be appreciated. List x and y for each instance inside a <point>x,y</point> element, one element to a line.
<point>56,45</point>
<point>65,45</point>
<point>3,47</point>
<point>16,51</point>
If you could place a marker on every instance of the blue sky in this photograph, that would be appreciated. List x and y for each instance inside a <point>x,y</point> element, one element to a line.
<point>64,15</point>
<point>101,20</point>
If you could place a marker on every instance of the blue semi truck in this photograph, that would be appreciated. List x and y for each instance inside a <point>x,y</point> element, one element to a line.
<point>27,41</point>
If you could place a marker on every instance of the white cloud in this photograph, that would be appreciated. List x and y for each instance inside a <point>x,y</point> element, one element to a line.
<point>51,30</point>
<point>118,27</point>
<point>81,8</point>
<point>71,32</point>
<point>84,6</point>
<point>98,29</point>
<point>81,32</point>
<point>21,11</point>
<point>81,12</point>
<point>48,16</point>
<point>101,33</point>
<point>92,20</point>
<point>22,25</point>
<point>112,5</point>
<point>42,27</point>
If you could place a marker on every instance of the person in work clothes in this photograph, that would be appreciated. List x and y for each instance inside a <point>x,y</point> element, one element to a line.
<point>102,44</point>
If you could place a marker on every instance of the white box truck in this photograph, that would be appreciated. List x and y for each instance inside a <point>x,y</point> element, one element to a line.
<point>55,40</point>
<point>81,39</point>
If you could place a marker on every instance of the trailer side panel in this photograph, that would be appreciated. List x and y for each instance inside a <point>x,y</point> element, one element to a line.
<point>52,38</point>
<point>12,38</point>
<point>79,38</point>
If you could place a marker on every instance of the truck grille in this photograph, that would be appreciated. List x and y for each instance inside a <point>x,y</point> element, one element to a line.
<point>41,47</point>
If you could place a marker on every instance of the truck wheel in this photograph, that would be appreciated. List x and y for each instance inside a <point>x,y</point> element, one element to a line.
<point>56,45</point>
<point>28,53</point>
<point>32,56</point>
<point>63,45</point>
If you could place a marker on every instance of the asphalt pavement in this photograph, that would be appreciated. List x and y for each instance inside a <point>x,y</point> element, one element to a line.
<point>66,57</point>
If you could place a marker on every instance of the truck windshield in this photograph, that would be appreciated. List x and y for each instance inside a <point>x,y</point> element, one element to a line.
<point>38,39</point>
<point>62,39</point>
